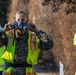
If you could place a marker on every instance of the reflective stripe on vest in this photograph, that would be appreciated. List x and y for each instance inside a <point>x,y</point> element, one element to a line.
<point>10,35</point>
<point>32,41</point>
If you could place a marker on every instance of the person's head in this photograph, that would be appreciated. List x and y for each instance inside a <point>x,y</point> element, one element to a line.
<point>21,15</point>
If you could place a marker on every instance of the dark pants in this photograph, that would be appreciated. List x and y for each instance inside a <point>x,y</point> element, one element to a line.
<point>1,72</point>
<point>18,69</point>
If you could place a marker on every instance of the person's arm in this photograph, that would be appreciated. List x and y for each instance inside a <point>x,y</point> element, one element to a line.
<point>45,42</point>
<point>3,39</point>
<point>7,27</point>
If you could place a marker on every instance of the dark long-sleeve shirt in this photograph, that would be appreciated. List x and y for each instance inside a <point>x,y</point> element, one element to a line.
<point>45,42</point>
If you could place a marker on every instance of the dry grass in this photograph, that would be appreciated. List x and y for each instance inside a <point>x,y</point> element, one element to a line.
<point>15,6</point>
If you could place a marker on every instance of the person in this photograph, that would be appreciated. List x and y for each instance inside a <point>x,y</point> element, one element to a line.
<point>2,62</point>
<point>2,49</point>
<point>24,42</point>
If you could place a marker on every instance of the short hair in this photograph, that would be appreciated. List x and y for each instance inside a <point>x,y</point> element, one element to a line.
<point>22,12</point>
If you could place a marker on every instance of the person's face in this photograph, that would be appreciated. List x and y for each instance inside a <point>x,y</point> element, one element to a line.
<point>23,18</point>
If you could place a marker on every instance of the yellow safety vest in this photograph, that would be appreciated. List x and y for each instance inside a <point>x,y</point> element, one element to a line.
<point>32,58</point>
<point>33,50</point>
<point>74,39</point>
<point>2,62</point>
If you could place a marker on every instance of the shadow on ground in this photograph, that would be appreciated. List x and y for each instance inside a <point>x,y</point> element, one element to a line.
<point>46,63</point>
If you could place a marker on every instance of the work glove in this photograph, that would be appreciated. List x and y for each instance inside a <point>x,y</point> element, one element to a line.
<point>33,27</point>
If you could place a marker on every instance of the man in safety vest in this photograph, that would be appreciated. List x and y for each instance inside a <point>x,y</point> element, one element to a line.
<point>2,49</point>
<point>23,46</point>
<point>2,62</point>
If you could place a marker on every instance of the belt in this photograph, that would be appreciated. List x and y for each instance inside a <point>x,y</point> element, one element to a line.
<point>20,65</point>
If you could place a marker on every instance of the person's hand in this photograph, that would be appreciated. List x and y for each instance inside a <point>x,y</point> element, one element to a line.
<point>33,28</point>
<point>7,26</point>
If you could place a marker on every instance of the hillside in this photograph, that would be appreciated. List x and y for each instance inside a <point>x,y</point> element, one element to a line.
<point>4,4</point>
<point>59,21</point>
